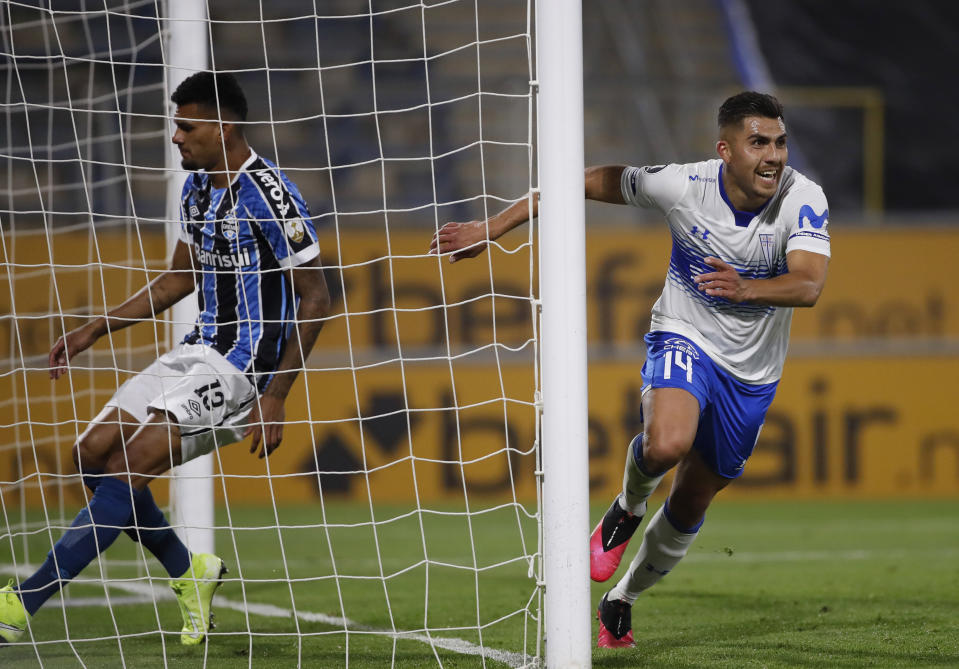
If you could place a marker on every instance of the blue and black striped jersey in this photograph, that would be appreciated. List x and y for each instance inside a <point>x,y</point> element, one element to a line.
<point>244,238</point>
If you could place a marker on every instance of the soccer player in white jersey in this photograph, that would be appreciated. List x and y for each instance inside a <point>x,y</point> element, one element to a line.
<point>750,243</point>
<point>248,247</point>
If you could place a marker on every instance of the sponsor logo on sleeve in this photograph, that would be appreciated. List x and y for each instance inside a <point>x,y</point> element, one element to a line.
<point>809,215</point>
<point>275,190</point>
<point>653,169</point>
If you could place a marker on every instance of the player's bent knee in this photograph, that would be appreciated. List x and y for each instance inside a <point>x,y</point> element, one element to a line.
<point>663,450</point>
<point>90,452</point>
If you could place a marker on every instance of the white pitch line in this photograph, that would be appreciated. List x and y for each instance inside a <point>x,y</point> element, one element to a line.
<point>145,593</point>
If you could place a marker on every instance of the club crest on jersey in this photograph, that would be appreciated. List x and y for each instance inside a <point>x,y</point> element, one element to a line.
<point>294,229</point>
<point>766,241</point>
<point>228,227</point>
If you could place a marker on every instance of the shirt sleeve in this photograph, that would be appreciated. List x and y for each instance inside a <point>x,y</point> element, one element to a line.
<point>653,186</point>
<point>807,221</point>
<point>183,233</point>
<point>285,222</point>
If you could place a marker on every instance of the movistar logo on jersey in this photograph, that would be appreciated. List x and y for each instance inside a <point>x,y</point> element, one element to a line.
<point>205,257</point>
<point>696,177</point>
<point>809,214</point>
<point>274,189</point>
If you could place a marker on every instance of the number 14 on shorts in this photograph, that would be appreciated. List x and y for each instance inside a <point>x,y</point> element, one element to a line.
<point>682,360</point>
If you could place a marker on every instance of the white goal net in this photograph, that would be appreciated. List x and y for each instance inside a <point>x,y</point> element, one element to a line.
<point>399,523</point>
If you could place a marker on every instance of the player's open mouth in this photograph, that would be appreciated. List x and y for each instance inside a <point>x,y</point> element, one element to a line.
<point>768,176</point>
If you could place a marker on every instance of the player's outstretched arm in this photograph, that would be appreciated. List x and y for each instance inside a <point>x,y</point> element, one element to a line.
<point>801,286</point>
<point>266,420</point>
<point>468,240</point>
<point>167,289</point>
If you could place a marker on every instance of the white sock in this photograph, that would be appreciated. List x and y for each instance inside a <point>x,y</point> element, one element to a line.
<point>662,548</point>
<point>637,486</point>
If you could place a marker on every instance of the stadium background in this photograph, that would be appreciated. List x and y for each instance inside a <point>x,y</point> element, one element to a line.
<point>865,407</point>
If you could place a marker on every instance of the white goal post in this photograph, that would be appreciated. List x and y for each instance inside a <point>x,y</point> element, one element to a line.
<point>188,39</point>
<point>562,237</point>
<point>430,499</point>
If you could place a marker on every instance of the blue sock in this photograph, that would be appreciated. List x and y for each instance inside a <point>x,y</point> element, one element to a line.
<point>91,478</point>
<point>156,535</point>
<point>92,531</point>
<point>151,528</point>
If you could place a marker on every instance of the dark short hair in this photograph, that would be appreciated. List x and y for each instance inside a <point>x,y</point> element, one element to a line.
<point>207,89</point>
<point>746,104</point>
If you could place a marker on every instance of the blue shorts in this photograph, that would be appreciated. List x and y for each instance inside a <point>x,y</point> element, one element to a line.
<point>731,413</point>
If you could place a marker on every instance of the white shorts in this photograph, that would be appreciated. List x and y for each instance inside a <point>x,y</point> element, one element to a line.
<point>205,395</point>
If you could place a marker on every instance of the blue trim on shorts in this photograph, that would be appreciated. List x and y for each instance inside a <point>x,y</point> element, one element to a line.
<point>731,411</point>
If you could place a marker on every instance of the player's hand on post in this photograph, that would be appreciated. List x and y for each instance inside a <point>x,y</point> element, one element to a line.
<point>68,346</point>
<point>266,423</point>
<point>725,282</point>
<point>463,240</point>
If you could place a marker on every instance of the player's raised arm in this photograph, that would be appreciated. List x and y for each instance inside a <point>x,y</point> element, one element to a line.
<point>309,284</point>
<point>164,291</point>
<point>468,240</point>
<point>603,183</point>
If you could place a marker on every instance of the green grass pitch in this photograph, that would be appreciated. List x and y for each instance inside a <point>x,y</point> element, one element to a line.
<point>767,584</point>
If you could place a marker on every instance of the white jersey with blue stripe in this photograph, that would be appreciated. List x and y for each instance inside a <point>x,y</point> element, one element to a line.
<point>748,340</point>
<point>244,237</point>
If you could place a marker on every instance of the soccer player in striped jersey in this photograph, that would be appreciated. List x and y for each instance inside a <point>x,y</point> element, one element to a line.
<point>248,248</point>
<point>750,243</point>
